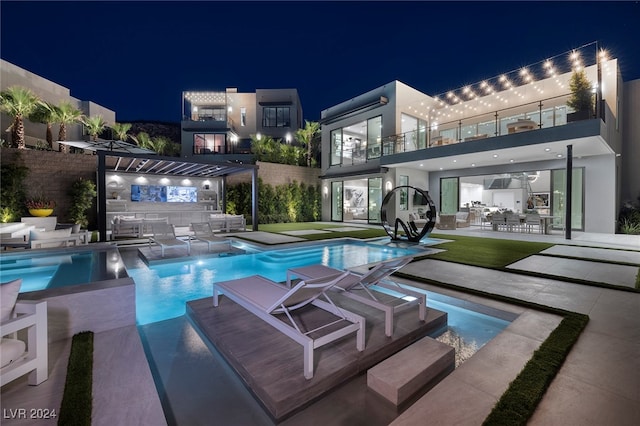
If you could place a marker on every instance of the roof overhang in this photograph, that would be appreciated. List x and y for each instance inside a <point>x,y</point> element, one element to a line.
<point>120,162</point>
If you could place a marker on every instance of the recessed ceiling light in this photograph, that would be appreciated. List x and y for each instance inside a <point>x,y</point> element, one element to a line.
<point>559,155</point>
<point>495,155</point>
<point>440,168</point>
<point>547,149</point>
<point>421,164</point>
<point>473,164</point>
<point>455,161</point>
<point>512,160</point>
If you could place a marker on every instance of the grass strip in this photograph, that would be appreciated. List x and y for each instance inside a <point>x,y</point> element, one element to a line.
<point>77,398</point>
<point>486,252</point>
<point>519,402</point>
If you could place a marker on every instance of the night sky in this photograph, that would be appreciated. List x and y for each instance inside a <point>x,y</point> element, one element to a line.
<point>137,58</point>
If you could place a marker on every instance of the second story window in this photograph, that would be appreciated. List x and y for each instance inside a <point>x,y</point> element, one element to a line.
<point>276,117</point>
<point>212,113</point>
<point>243,116</point>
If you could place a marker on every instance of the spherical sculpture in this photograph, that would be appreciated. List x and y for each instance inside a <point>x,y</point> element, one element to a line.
<point>401,225</point>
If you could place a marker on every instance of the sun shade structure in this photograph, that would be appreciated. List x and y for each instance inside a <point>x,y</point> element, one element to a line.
<point>117,146</point>
<point>146,164</point>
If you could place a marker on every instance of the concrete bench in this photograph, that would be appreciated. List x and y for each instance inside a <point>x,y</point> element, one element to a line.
<point>400,376</point>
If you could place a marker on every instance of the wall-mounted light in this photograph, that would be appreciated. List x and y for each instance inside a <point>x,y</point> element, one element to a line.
<point>389,185</point>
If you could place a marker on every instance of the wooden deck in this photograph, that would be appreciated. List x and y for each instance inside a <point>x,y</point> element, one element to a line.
<point>271,364</point>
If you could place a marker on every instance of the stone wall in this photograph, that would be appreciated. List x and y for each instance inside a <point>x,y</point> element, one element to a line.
<point>279,174</point>
<point>52,174</point>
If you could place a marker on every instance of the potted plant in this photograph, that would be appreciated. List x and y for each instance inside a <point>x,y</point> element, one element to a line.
<point>82,192</point>
<point>581,99</point>
<point>40,206</point>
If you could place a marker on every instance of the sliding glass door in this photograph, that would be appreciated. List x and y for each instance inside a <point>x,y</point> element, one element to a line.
<point>559,198</point>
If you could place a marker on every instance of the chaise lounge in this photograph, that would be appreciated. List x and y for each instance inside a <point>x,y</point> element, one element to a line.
<point>165,236</point>
<point>360,287</point>
<point>269,301</point>
<point>203,232</point>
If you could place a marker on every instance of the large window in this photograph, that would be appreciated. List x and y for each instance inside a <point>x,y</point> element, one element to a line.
<point>374,136</point>
<point>336,147</point>
<point>449,200</point>
<point>276,117</point>
<point>559,198</point>
<point>336,201</point>
<point>212,113</point>
<point>209,143</point>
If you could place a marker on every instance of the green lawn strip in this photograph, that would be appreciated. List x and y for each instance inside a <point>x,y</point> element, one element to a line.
<point>295,226</point>
<point>486,252</point>
<point>77,397</point>
<point>362,235</point>
<point>519,401</point>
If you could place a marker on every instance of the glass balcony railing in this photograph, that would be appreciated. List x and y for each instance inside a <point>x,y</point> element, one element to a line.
<point>543,114</point>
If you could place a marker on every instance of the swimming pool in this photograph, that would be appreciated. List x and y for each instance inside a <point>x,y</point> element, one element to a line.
<point>163,290</point>
<point>50,269</point>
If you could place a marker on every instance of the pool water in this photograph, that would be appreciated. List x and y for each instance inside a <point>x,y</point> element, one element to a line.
<point>41,271</point>
<point>162,290</point>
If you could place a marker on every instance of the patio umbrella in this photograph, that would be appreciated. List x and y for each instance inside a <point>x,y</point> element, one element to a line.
<point>115,146</point>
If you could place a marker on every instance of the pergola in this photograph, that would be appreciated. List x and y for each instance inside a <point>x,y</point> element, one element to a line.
<point>142,163</point>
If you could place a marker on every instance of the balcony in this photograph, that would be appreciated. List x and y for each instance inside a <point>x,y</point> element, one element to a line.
<point>547,113</point>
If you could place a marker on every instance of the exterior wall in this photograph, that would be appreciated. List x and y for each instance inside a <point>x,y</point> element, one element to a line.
<point>52,174</point>
<point>630,176</point>
<point>279,174</point>
<point>12,75</point>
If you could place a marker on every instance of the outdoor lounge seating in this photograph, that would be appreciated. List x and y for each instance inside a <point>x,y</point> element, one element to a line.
<point>269,301</point>
<point>446,221</point>
<point>227,222</point>
<point>203,232</point>
<point>164,235</point>
<point>57,238</point>
<point>360,287</point>
<point>19,357</point>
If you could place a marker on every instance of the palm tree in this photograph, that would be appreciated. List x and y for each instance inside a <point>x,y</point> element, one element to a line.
<point>18,102</point>
<point>45,113</point>
<point>120,130</point>
<point>160,144</point>
<point>66,113</point>
<point>142,139</point>
<point>307,135</point>
<point>94,125</point>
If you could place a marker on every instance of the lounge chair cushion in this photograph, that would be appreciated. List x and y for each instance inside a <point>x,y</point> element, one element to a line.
<point>8,296</point>
<point>47,235</point>
<point>11,350</point>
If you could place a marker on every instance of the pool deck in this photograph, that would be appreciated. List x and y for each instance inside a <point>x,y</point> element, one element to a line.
<point>599,382</point>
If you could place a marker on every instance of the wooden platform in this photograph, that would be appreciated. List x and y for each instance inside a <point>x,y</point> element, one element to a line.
<point>271,364</point>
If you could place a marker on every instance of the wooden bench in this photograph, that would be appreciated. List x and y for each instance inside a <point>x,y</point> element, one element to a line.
<point>400,376</point>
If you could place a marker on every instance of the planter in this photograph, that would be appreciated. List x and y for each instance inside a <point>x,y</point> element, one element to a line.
<point>40,212</point>
<point>578,116</point>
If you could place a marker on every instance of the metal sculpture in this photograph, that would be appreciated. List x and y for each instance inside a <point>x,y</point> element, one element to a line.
<point>396,228</point>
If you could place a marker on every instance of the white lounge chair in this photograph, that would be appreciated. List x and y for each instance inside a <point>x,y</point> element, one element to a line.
<point>164,235</point>
<point>265,299</point>
<point>17,356</point>
<point>203,232</point>
<point>358,287</point>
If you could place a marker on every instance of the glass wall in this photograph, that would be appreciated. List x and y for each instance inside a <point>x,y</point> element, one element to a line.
<point>374,137</point>
<point>375,199</point>
<point>336,201</point>
<point>558,199</point>
<point>336,147</point>
<point>449,200</point>
<point>209,143</point>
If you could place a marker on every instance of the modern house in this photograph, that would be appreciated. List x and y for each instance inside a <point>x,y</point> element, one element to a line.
<point>12,75</point>
<point>504,143</point>
<point>219,125</point>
